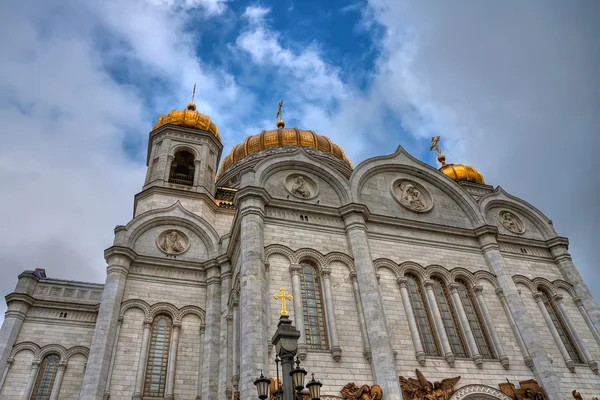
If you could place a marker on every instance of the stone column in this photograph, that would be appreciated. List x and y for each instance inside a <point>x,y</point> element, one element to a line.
<point>172,363</point>
<point>168,167</point>
<point>559,249</point>
<point>210,366</point>
<point>542,367</point>
<point>119,260</point>
<point>229,386</point>
<point>235,360</point>
<point>200,363</point>
<point>112,359</point>
<point>361,318</point>
<point>142,360</point>
<point>250,203</point>
<point>515,329</point>
<point>539,299</point>
<point>196,179</point>
<point>583,350</point>
<point>336,350</point>
<point>295,270</point>
<point>31,380</point>
<point>465,326</point>
<point>489,324</point>
<point>383,364</point>
<point>412,322</point>
<point>58,380</point>
<point>587,319</point>
<point>224,354</point>
<point>18,303</point>
<point>9,363</point>
<point>439,323</point>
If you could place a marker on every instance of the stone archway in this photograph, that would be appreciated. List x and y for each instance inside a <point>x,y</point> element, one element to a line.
<point>478,392</point>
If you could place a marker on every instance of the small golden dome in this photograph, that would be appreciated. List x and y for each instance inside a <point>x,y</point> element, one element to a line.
<point>279,138</point>
<point>462,173</point>
<point>190,118</point>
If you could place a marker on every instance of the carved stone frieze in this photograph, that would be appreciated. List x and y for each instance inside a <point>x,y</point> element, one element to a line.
<point>173,242</point>
<point>412,195</point>
<point>59,292</point>
<point>365,392</point>
<point>301,186</point>
<point>422,389</point>
<point>511,222</point>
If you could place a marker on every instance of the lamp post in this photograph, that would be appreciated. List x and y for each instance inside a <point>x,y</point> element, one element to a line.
<point>286,344</point>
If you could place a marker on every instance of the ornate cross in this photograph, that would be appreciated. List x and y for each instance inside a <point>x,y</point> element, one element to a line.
<point>283,298</point>
<point>194,93</point>
<point>278,116</point>
<point>434,144</point>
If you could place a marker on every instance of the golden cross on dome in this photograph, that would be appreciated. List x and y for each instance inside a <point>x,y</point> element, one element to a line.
<point>194,93</point>
<point>283,298</point>
<point>279,116</point>
<point>434,146</point>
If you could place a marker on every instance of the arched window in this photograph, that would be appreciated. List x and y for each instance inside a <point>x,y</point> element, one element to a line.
<point>444,303</point>
<point>560,327</point>
<point>421,311</point>
<point>158,355</point>
<point>312,307</point>
<point>45,378</point>
<point>474,317</point>
<point>182,168</point>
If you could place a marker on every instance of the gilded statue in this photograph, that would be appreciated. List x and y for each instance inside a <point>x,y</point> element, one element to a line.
<point>352,392</point>
<point>274,388</point>
<point>422,389</point>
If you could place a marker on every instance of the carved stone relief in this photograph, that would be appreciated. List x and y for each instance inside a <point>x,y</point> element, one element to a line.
<point>173,242</point>
<point>301,186</point>
<point>422,389</point>
<point>511,222</point>
<point>412,195</point>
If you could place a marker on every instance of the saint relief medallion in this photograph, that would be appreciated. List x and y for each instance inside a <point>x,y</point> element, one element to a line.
<point>301,186</point>
<point>173,242</point>
<point>511,222</point>
<point>412,195</point>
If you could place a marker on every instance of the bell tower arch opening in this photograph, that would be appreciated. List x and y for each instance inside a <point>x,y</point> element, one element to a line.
<point>182,168</point>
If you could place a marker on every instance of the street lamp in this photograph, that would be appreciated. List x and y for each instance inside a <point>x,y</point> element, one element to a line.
<point>262,386</point>
<point>314,388</point>
<point>298,375</point>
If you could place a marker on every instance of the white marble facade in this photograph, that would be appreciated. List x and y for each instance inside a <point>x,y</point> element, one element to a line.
<point>209,268</point>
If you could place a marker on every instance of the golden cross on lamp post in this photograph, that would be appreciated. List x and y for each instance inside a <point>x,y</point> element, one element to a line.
<point>283,298</point>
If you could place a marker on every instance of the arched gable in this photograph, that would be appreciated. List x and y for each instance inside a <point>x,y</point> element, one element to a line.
<point>372,183</point>
<point>173,216</point>
<point>478,392</point>
<point>271,173</point>
<point>537,225</point>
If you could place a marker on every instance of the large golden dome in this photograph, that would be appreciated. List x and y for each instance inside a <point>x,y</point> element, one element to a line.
<point>279,138</point>
<point>190,118</point>
<point>462,173</point>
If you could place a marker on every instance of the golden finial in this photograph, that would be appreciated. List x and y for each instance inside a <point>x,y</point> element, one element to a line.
<point>279,116</point>
<point>434,146</point>
<point>192,106</point>
<point>283,296</point>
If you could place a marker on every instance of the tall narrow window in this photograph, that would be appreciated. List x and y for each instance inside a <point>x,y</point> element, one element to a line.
<point>312,307</point>
<point>561,328</point>
<point>474,317</point>
<point>421,311</point>
<point>158,355</point>
<point>45,378</point>
<point>449,318</point>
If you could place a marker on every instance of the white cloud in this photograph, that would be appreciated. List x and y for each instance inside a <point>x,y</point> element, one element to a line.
<point>256,14</point>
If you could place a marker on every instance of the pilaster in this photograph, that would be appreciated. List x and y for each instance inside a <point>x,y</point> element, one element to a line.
<point>210,367</point>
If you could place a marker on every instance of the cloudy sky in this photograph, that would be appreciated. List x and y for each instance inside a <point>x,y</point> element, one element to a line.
<point>512,87</point>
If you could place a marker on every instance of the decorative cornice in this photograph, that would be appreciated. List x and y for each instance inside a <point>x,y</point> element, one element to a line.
<point>19,297</point>
<point>486,230</point>
<point>251,192</point>
<point>355,208</point>
<point>558,241</point>
<point>125,252</point>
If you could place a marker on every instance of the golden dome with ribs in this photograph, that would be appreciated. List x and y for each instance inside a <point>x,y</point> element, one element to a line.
<point>279,138</point>
<point>189,118</point>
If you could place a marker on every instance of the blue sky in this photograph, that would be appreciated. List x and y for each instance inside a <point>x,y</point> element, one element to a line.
<point>510,86</point>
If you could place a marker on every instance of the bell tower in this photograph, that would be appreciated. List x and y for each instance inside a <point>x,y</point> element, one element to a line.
<point>184,149</point>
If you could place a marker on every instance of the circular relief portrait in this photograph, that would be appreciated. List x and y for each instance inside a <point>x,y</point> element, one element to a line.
<point>301,186</point>
<point>173,242</point>
<point>412,195</point>
<point>511,222</point>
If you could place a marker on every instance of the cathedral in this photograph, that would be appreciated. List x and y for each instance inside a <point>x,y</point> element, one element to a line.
<point>404,281</point>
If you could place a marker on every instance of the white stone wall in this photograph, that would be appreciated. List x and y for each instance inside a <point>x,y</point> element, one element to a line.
<point>532,267</point>
<point>152,290</point>
<point>297,234</point>
<point>73,378</point>
<point>126,359</point>
<point>186,371</point>
<point>14,386</point>
<point>67,334</point>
